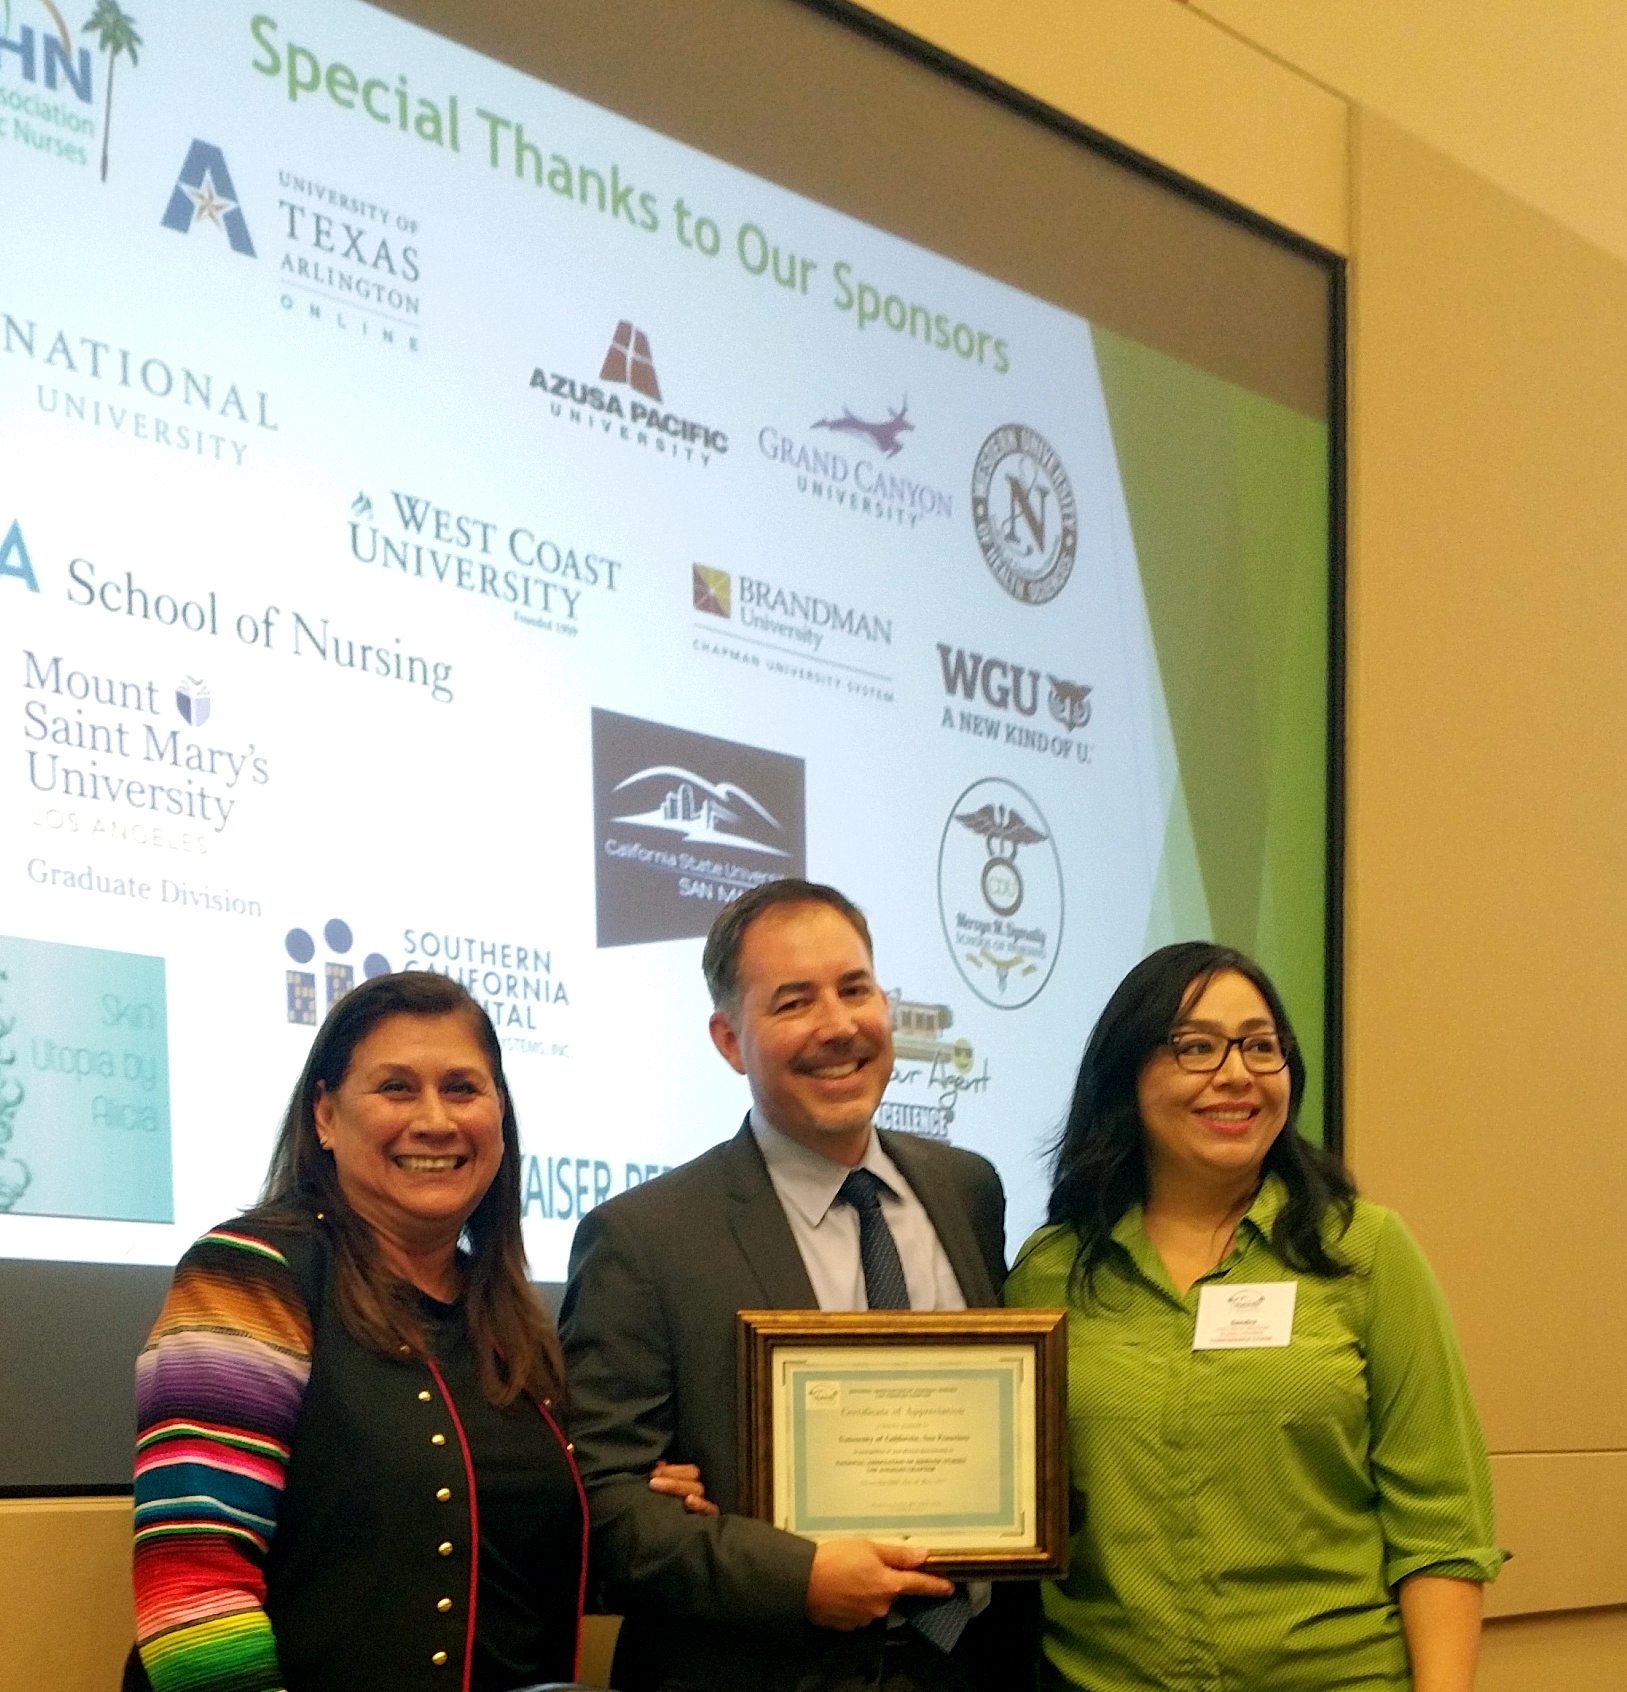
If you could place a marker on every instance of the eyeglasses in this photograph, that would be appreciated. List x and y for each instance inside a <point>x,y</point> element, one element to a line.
<point>1202,1054</point>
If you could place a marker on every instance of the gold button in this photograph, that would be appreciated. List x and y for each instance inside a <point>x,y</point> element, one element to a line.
<point>423,1397</point>
<point>405,1350</point>
<point>443,1605</point>
<point>437,1439</point>
<point>444,1493</point>
<point>439,1659</point>
<point>445,1547</point>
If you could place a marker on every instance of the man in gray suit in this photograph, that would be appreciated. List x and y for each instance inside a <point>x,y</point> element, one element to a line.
<point>807,1207</point>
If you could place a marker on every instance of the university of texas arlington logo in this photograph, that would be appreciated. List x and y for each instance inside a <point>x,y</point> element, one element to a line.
<point>203,193</point>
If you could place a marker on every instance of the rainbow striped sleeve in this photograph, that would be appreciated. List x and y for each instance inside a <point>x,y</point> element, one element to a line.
<point>218,1391</point>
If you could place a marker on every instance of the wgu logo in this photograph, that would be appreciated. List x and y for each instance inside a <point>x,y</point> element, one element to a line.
<point>204,193</point>
<point>1013,689</point>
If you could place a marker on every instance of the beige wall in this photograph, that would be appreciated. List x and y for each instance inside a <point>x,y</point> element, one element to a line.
<point>1467,158</point>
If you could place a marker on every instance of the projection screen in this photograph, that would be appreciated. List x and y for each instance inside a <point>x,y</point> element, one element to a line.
<point>483,504</point>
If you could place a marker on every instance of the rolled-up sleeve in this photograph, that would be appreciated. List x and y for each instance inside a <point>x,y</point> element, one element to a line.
<point>1428,1454</point>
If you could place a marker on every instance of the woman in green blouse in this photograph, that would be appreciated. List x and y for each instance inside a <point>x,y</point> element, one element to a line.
<point>1279,1483</point>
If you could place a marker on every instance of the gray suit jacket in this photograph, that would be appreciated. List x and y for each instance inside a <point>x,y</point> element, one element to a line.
<point>656,1277</point>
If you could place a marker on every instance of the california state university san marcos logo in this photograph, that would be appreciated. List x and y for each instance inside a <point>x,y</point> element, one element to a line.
<point>1000,893</point>
<point>1024,513</point>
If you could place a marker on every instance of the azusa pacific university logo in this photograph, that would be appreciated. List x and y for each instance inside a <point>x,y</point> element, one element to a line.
<point>204,194</point>
<point>628,360</point>
<point>882,436</point>
<point>340,977</point>
<point>14,559</point>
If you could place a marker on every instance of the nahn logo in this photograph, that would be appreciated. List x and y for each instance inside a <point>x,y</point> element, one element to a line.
<point>51,53</point>
<point>883,436</point>
<point>340,977</point>
<point>204,193</point>
<point>14,559</point>
<point>1024,514</point>
<point>628,362</point>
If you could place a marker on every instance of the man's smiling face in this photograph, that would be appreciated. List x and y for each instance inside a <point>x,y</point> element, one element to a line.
<point>812,1032</point>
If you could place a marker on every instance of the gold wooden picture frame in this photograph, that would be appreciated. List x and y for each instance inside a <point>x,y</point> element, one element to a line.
<point>946,1428</point>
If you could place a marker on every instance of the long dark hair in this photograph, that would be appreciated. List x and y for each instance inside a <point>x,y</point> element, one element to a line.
<point>1100,1167</point>
<point>508,1322</point>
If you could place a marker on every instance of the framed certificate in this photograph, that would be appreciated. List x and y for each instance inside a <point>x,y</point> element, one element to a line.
<point>939,1428</point>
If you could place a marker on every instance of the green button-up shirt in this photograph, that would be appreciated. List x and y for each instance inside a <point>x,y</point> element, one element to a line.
<point>1241,1518</point>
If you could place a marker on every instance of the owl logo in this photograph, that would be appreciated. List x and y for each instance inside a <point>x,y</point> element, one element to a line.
<point>1070,703</point>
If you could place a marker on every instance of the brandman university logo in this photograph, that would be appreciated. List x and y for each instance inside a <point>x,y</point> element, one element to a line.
<point>713,591</point>
<point>1024,513</point>
<point>204,194</point>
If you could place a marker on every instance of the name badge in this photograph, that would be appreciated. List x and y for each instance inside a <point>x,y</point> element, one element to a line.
<point>1245,1315</point>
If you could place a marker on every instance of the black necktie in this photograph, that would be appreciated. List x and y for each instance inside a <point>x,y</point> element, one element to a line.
<point>940,1620</point>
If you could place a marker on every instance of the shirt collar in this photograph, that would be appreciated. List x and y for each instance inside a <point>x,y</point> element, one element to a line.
<point>809,1182</point>
<point>1131,1233</point>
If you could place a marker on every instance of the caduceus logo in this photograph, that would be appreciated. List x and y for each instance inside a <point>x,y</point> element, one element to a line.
<point>1006,935</point>
<point>1003,832</point>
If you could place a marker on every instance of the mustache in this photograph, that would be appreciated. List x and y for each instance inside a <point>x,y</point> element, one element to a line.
<point>858,1049</point>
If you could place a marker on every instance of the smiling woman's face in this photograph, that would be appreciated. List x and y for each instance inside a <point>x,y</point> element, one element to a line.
<point>415,1128</point>
<point>1222,1123</point>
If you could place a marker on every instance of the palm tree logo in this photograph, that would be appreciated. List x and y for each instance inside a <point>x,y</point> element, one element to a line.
<point>116,33</point>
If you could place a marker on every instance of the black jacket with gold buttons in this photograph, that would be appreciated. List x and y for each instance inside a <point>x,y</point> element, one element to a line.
<point>373,1578</point>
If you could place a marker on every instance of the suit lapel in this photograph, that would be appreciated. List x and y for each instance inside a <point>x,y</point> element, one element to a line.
<point>757,1220</point>
<point>942,1201</point>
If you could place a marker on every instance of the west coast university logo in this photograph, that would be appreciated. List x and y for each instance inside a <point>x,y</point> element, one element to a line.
<point>1000,893</point>
<point>642,422</point>
<point>684,823</point>
<point>1024,514</point>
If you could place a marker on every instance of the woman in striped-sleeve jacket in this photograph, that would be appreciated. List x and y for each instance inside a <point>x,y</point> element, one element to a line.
<point>349,1471</point>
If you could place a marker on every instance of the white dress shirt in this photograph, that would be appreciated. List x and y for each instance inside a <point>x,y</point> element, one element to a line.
<point>827,1231</point>
<point>827,1235</point>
